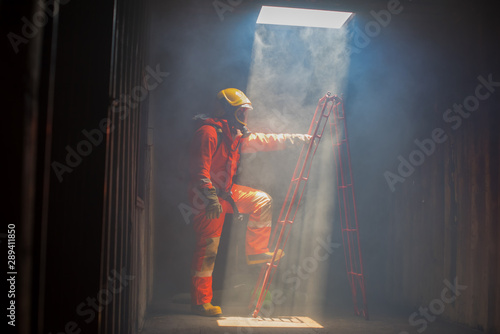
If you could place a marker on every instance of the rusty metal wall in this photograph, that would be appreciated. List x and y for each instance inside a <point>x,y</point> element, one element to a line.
<point>85,233</point>
<point>443,219</point>
<point>444,226</point>
<point>127,229</point>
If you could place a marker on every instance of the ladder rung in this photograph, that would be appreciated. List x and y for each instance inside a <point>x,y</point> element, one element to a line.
<point>298,179</point>
<point>349,229</point>
<point>282,222</point>
<point>346,186</point>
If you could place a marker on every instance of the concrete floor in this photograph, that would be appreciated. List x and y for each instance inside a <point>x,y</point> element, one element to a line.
<point>174,317</point>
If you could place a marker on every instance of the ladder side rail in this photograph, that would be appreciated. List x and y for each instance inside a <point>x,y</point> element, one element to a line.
<point>343,199</point>
<point>344,237</point>
<point>308,156</point>
<point>322,103</point>
<point>336,147</point>
<point>353,231</point>
<point>344,210</point>
<point>272,267</point>
<point>351,227</point>
<point>352,190</point>
<point>360,278</point>
<point>358,275</point>
<point>281,224</point>
<point>308,163</point>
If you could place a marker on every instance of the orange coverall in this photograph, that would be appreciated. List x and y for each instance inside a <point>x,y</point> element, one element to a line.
<point>212,166</point>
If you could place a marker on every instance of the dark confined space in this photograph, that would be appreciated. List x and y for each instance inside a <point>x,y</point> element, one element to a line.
<point>99,105</point>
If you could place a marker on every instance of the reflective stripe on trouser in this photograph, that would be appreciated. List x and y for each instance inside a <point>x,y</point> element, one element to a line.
<point>208,231</point>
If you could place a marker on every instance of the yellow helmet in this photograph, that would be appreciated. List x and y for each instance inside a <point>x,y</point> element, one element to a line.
<point>234,97</point>
<point>238,101</point>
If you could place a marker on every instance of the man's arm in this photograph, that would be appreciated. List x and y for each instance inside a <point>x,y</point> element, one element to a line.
<point>272,142</point>
<point>203,146</point>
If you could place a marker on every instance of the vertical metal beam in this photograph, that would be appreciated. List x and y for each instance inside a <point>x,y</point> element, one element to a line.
<point>122,242</point>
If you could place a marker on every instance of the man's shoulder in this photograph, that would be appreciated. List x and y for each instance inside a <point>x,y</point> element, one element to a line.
<point>204,120</point>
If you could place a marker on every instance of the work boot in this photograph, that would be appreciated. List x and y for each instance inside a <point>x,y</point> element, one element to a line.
<point>264,257</point>
<point>206,310</point>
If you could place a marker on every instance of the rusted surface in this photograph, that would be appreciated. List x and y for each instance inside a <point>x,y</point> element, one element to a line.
<point>445,225</point>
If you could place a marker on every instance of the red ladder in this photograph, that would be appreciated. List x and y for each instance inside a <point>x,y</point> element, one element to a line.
<point>327,105</point>
<point>347,210</point>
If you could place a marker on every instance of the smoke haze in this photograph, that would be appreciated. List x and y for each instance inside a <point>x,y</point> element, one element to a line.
<point>291,69</point>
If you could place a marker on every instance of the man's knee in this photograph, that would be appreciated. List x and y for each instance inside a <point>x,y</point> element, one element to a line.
<point>263,211</point>
<point>208,257</point>
<point>266,199</point>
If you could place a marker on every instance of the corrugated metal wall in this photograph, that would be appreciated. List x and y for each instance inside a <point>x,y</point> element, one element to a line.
<point>85,236</point>
<point>127,230</point>
<point>445,226</point>
<point>443,220</point>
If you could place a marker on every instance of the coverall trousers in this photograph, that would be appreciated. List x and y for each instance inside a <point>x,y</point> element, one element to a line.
<point>208,231</point>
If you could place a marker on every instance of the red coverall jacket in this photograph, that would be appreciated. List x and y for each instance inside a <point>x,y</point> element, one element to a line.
<point>208,170</point>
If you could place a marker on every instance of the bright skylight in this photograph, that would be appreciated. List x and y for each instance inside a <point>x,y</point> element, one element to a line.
<point>302,17</point>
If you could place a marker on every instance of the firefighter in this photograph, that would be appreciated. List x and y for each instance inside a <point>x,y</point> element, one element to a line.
<point>214,156</point>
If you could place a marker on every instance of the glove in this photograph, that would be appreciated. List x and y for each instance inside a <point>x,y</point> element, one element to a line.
<point>213,208</point>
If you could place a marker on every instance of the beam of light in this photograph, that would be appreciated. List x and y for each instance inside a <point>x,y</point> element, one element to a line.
<point>277,322</point>
<point>302,17</point>
<point>291,69</point>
